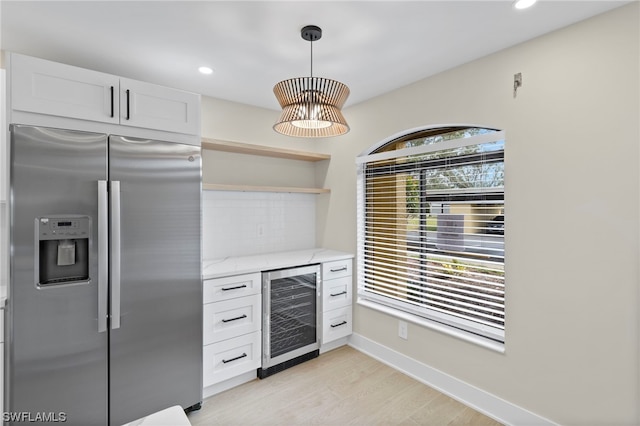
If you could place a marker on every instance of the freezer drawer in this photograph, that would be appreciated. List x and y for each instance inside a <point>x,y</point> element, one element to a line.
<point>224,288</point>
<point>227,359</point>
<point>336,324</point>
<point>232,318</point>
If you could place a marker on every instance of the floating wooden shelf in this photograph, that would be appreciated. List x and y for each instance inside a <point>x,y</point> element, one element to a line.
<point>256,188</point>
<point>265,151</point>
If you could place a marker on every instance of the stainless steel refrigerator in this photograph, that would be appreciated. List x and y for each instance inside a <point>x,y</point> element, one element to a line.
<point>104,313</point>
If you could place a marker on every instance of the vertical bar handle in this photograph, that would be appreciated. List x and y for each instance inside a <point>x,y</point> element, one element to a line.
<point>112,106</point>
<point>103,255</point>
<point>115,255</point>
<point>128,113</point>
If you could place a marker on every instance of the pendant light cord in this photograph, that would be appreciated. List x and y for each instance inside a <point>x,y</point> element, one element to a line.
<point>311,58</point>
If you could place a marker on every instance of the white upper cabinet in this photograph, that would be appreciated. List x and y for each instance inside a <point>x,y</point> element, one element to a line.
<point>46,87</point>
<point>157,107</point>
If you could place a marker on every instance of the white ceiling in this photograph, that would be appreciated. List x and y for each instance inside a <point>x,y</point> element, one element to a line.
<point>372,46</point>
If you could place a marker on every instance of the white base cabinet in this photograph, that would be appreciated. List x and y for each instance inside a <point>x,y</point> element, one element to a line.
<point>337,297</point>
<point>232,327</point>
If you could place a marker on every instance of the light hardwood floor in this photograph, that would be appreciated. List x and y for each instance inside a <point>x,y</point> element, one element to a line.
<point>340,387</point>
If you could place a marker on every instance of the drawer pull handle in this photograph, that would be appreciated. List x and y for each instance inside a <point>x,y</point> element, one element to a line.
<point>224,361</point>
<point>344,268</point>
<point>234,288</point>
<point>234,319</point>
<point>338,294</point>
<point>338,324</point>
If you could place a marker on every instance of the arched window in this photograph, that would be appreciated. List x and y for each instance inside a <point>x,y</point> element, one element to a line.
<point>431,228</point>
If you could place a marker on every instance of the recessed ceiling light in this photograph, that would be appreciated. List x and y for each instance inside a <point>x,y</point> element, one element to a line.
<point>205,70</point>
<point>523,4</point>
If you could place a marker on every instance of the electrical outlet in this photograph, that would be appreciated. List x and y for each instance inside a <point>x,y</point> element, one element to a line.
<point>403,331</point>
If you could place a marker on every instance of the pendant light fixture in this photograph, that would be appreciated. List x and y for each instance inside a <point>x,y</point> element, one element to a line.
<point>311,105</point>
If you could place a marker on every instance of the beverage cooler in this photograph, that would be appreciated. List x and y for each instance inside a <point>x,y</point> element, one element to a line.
<point>290,323</point>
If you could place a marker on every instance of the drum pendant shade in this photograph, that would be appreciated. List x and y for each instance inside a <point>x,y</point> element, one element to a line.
<point>311,105</point>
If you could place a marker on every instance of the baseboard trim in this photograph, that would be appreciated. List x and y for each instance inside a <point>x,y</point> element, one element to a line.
<point>484,402</point>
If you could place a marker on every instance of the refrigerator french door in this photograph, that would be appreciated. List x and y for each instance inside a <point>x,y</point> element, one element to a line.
<point>104,313</point>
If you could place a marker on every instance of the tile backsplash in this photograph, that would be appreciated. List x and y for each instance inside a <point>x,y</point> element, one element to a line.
<point>245,223</point>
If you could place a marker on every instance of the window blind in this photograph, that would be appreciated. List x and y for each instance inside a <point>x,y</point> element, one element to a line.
<point>431,228</point>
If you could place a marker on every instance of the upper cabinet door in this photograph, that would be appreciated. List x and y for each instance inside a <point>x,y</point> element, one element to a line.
<point>47,87</point>
<point>157,107</point>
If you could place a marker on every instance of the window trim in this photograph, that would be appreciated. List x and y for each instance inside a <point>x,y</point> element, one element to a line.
<point>475,333</point>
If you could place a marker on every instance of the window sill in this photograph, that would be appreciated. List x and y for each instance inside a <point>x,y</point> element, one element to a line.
<point>423,322</point>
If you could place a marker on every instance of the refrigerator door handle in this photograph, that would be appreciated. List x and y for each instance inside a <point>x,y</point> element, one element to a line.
<point>115,255</point>
<point>103,255</point>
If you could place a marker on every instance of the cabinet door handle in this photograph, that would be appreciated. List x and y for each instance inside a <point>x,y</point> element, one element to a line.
<point>338,294</point>
<point>338,324</point>
<point>234,319</point>
<point>224,361</point>
<point>344,268</point>
<point>233,288</point>
<point>112,111</point>
<point>128,114</point>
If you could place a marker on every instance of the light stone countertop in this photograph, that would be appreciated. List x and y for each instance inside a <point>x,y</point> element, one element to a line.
<point>236,265</point>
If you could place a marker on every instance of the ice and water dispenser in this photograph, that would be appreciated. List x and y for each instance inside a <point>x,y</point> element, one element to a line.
<point>62,250</point>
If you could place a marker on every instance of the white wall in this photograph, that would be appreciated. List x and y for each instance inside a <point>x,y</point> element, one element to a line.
<point>247,223</point>
<point>572,217</point>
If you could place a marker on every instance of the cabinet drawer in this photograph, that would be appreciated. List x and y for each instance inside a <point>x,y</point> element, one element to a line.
<point>336,293</point>
<point>232,318</point>
<point>230,358</point>
<point>225,288</point>
<point>336,324</point>
<point>336,269</point>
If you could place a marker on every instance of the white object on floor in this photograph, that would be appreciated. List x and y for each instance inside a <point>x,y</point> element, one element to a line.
<point>172,416</point>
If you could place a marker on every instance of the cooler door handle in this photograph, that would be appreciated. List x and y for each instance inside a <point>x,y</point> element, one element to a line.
<point>115,254</point>
<point>103,253</point>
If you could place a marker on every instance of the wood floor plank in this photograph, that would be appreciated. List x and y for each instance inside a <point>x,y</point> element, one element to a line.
<point>341,387</point>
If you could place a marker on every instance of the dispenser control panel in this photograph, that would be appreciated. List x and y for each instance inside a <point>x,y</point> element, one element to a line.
<point>62,255</point>
<point>63,228</point>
